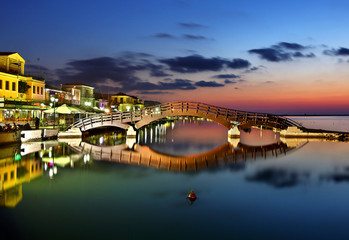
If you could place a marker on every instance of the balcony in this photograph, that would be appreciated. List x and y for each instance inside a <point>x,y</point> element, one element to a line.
<point>17,73</point>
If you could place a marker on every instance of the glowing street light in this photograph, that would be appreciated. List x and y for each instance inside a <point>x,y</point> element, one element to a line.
<point>54,100</point>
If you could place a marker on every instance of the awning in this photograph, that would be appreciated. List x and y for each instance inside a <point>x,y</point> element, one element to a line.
<point>65,109</point>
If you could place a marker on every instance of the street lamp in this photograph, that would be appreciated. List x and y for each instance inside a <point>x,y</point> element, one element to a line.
<point>54,100</point>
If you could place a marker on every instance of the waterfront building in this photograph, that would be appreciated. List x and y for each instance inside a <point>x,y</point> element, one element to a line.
<point>124,103</point>
<point>51,91</point>
<point>21,96</point>
<point>79,94</point>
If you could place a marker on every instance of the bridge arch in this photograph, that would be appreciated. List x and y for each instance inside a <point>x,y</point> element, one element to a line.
<point>147,119</point>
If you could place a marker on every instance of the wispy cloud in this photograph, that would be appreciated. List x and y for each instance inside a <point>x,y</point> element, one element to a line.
<point>191,25</point>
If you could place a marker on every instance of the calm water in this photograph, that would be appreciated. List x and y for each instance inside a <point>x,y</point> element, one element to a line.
<point>100,188</point>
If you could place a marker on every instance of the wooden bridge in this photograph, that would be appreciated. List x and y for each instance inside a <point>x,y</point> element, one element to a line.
<point>144,156</point>
<point>224,116</point>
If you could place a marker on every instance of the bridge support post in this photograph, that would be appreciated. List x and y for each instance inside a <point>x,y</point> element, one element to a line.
<point>234,132</point>
<point>131,132</point>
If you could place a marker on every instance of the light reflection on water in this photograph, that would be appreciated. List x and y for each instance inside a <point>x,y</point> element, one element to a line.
<point>288,189</point>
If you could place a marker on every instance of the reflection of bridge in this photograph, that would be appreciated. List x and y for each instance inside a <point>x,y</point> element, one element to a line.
<point>223,116</point>
<point>144,156</point>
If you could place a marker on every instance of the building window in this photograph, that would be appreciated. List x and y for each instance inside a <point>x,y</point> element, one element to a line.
<point>12,174</point>
<point>5,177</point>
<point>33,89</point>
<point>0,84</point>
<point>42,90</point>
<point>37,90</point>
<point>7,85</point>
<point>13,86</point>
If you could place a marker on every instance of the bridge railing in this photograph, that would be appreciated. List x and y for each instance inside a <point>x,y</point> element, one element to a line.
<point>235,115</point>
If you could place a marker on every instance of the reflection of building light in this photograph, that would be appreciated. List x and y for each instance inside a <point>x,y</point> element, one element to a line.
<point>50,173</point>
<point>45,166</point>
<point>55,170</point>
<point>101,140</point>
<point>86,158</point>
<point>49,154</point>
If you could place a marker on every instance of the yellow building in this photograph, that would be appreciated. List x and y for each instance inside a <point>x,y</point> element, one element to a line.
<point>125,103</point>
<point>18,103</point>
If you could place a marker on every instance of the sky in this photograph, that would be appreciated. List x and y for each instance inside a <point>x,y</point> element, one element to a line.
<point>283,57</point>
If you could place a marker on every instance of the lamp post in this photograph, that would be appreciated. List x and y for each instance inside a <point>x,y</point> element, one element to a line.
<point>54,100</point>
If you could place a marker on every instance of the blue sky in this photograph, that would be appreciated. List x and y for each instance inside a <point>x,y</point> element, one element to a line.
<point>142,43</point>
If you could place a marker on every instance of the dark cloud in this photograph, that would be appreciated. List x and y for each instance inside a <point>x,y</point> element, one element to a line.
<point>156,70</point>
<point>208,84</point>
<point>290,46</point>
<point>271,54</point>
<point>194,37</point>
<point>224,76</point>
<point>164,35</point>
<point>191,25</point>
<point>282,51</point>
<point>122,73</point>
<point>153,92</point>
<point>268,82</point>
<point>278,178</point>
<point>337,52</point>
<point>176,84</point>
<point>227,81</point>
<point>301,55</point>
<point>197,63</point>
<point>238,63</point>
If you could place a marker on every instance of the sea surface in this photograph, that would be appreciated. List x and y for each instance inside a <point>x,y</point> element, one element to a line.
<point>105,186</point>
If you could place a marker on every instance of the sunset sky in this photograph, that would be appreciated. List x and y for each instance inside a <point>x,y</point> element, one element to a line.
<point>286,57</point>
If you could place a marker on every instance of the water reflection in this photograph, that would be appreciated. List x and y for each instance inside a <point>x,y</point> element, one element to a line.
<point>16,168</point>
<point>223,155</point>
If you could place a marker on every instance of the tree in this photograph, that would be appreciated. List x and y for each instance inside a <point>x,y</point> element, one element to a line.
<point>23,87</point>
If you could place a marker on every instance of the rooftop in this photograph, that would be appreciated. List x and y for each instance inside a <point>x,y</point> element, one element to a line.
<point>6,53</point>
<point>76,84</point>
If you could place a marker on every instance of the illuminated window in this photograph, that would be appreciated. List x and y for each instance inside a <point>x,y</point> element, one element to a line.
<point>7,87</point>
<point>13,86</point>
